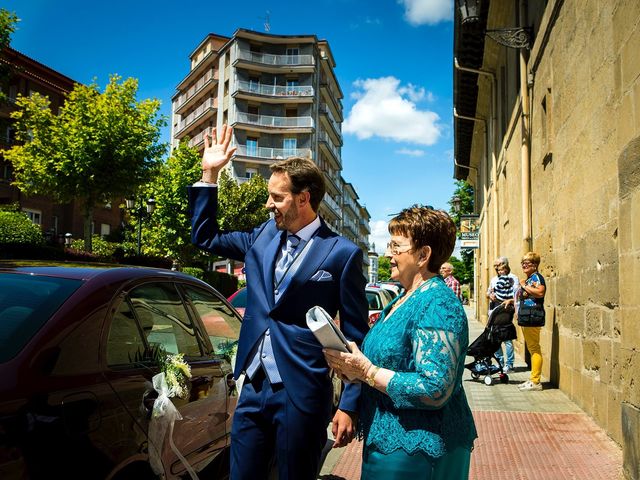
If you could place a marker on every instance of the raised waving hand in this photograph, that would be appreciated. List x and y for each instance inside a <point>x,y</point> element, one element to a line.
<point>217,153</point>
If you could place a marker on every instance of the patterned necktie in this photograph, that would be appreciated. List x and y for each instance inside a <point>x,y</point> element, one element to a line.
<point>287,259</point>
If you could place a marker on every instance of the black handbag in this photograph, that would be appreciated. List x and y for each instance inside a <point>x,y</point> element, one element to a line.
<point>530,315</point>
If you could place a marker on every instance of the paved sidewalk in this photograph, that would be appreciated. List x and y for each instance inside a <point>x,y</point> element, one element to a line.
<point>521,435</point>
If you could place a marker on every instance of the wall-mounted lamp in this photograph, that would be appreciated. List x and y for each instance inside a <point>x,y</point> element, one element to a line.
<point>515,37</point>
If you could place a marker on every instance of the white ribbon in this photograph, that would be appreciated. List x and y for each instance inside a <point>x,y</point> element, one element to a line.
<point>163,417</point>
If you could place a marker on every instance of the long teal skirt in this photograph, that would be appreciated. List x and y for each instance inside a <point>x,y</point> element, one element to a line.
<point>399,465</point>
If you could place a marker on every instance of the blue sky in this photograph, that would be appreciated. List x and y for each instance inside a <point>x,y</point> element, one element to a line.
<point>394,65</point>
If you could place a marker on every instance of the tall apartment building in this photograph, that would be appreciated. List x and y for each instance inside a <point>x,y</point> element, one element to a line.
<point>281,95</point>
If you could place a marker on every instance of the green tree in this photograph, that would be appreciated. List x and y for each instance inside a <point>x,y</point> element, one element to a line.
<point>99,147</point>
<point>242,206</point>
<point>464,192</point>
<point>384,269</point>
<point>168,232</point>
<point>8,21</point>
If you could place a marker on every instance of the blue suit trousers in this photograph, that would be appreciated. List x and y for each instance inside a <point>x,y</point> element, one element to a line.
<point>267,425</point>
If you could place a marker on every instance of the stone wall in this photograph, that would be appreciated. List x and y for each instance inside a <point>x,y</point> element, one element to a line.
<point>585,201</point>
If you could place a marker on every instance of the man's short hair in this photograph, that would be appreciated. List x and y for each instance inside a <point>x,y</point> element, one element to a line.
<point>304,176</point>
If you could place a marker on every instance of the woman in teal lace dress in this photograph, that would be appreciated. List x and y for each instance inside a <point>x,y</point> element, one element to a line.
<point>414,414</point>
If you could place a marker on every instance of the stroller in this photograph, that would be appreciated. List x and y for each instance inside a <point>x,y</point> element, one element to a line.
<point>499,328</point>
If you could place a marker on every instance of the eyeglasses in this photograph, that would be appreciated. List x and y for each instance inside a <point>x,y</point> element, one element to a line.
<point>526,264</point>
<point>395,248</point>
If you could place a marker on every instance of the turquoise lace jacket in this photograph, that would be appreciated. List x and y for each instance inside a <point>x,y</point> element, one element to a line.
<point>425,342</point>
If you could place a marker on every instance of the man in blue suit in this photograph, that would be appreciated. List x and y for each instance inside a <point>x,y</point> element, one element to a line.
<point>293,262</point>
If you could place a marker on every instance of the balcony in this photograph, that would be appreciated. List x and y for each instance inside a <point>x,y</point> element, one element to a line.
<point>334,151</point>
<point>268,123</point>
<point>335,101</point>
<point>332,204</point>
<point>204,111</point>
<point>275,93</point>
<point>195,92</point>
<point>199,138</point>
<point>272,153</point>
<point>335,126</point>
<point>274,63</point>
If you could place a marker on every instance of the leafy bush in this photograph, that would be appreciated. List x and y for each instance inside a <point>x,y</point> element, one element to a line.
<point>194,272</point>
<point>223,282</point>
<point>100,247</point>
<point>17,229</point>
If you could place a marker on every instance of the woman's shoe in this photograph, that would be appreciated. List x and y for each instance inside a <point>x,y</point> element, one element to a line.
<point>529,386</point>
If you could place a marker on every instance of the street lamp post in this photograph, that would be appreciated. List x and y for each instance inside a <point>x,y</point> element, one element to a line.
<point>141,212</point>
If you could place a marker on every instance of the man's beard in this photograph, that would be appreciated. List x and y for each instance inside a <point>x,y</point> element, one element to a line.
<point>288,218</point>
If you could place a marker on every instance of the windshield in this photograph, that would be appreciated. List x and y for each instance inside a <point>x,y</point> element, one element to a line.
<point>240,299</point>
<point>26,303</point>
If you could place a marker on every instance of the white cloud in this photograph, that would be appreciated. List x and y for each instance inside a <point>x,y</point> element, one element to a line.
<point>411,153</point>
<point>429,12</point>
<point>387,110</point>
<point>379,235</point>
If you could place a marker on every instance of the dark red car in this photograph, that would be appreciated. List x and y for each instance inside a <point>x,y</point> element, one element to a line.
<point>239,300</point>
<point>79,347</point>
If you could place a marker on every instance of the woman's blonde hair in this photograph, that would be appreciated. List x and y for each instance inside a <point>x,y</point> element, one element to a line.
<point>532,257</point>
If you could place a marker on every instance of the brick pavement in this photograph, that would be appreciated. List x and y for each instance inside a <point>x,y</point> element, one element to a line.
<point>521,435</point>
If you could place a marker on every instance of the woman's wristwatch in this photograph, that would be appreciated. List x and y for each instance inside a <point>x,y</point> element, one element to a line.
<point>371,375</point>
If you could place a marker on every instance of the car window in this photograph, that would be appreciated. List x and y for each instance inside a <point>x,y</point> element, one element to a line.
<point>26,303</point>
<point>163,319</point>
<point>125,344</point>
<point>221,323</point>
<point>374,301</point>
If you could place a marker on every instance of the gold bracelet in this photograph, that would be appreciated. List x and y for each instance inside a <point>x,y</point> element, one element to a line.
<point>371,375</point>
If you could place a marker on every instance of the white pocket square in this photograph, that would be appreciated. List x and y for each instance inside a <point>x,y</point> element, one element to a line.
<point>321,276</point>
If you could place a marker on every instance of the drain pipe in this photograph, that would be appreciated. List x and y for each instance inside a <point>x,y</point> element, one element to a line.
<point>525,153</point>
<point>484,251</point>
<point>490,148</point>
<point>484,124</point>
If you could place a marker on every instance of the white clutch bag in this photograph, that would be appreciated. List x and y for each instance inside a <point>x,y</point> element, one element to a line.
<point>326,331</point>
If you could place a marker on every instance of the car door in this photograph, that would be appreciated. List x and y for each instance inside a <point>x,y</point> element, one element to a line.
<point>222,326</point>
<point>151,322</point>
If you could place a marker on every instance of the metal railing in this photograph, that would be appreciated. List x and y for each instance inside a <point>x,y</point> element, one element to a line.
<point>199,137</point>
<point>276,122</point>
<point>277,60</point>
<point>324,137</point>
<point>332,203</point>
<point>202,108</point>
<point>276,90</point>
<point>182,99</point>
<point>274,153</point>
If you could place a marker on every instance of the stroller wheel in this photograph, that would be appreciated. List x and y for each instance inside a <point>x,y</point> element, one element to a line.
<point>504,378</point>
<point>475,375</point>
<point>488,380</point>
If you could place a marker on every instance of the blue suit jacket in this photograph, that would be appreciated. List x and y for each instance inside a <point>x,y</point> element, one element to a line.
<point>301,364</point>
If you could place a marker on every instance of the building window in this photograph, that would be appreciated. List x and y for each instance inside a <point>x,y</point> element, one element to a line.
<point>7,172</point>
<point>105,229</point>
<point>252,147</point>
<point>34,215</point>
<point>289,146</point>
<point>251,172</point>
<point>254,84</point>
<point>54,224</point>
<point>292,55</point>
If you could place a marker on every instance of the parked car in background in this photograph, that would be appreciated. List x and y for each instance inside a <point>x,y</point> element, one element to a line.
<point>79,347</point>
<point>377,298</point>
<point>239,300</point>
<point>394,288</point>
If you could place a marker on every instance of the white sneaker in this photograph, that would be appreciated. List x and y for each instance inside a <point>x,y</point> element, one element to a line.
<point>506,369</point>
<point>529,386</point>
